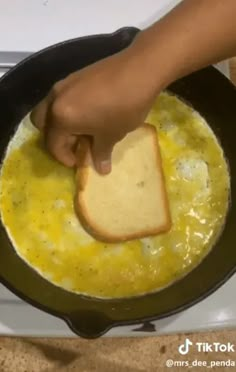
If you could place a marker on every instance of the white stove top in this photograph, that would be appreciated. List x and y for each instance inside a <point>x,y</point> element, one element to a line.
<point>32,25</point>
<point>218,311</point>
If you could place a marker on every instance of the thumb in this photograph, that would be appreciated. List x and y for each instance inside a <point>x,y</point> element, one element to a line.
<point>101,153</point>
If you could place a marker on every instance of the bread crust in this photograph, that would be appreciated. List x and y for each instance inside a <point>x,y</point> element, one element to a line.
<point>84,163</point>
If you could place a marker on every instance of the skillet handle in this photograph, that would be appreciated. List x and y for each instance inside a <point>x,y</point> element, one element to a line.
<point>89,324</point>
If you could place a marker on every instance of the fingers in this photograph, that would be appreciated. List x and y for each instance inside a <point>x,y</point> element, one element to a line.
<point>39,113</point>
<point>61,145</point>
<point>102,152</point>
<point>59,142</point>
<point>38,116</point>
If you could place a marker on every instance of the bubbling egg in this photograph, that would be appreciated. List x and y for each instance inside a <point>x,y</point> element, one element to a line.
<point>36,204</point>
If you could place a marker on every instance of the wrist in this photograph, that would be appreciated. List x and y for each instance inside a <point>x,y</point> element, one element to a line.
<point>155,59</point>
<point>158,55</point>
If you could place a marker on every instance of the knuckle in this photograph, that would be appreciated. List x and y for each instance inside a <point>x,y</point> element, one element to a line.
<point>37,115</point>
<point>56,89</point>
<point>62,111</point>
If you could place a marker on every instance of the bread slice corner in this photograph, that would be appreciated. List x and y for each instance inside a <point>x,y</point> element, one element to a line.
<point>129,203</point>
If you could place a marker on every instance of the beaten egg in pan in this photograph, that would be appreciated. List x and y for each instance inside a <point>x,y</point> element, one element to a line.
<point>37,209</point>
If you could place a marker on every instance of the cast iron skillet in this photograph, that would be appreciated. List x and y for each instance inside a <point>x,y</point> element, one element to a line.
<point>208,92</point>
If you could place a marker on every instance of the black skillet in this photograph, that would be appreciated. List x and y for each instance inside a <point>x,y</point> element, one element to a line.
<point>211,94</point>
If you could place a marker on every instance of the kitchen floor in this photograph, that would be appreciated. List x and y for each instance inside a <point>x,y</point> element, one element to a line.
<point>148,354</point>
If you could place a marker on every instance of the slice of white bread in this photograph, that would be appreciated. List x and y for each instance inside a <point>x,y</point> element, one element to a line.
<point>130,202</point>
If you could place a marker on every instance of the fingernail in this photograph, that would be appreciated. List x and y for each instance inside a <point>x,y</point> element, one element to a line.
<point>105,166</point>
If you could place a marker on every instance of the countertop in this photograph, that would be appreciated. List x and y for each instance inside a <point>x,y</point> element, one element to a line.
<point>148,354</point>
<point>109,355</point>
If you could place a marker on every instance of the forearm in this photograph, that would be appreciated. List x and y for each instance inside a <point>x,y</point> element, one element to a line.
<point>195,34</point>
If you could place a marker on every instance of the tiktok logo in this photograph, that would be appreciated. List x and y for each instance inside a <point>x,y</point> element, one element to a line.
<point>184,348</point>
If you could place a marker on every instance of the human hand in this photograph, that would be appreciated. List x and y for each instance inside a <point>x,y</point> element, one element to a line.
<point>108,99</point>
<point>105,101</point>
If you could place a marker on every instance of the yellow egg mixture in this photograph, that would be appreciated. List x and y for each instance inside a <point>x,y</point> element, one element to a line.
<point>36,203</point>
